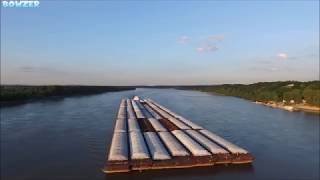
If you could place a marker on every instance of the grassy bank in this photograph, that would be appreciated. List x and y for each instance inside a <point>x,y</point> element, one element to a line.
<point>300,95</point>
<point>10,93</point>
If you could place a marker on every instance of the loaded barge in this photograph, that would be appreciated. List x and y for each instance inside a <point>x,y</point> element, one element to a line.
<point>147,135</point>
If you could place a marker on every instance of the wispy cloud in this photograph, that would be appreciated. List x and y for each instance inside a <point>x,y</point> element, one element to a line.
<point>282,55</point>
<point>203,45</point>
<point>285,56</point>
<point>210,43</point>
<point>282,62</point>
<point>207,48</point>
<point>40,69</point>
<point>183,39</point>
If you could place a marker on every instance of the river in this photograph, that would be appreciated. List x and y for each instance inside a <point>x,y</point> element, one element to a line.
<point>68,138</point>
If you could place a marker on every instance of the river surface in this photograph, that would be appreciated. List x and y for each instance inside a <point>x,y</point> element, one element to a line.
<point>68,138</point>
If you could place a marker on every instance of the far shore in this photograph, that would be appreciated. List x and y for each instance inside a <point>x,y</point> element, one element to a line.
<point>287,95</point>
<point>19,94</point>
<point>301,107</point>
<point>291,107</point>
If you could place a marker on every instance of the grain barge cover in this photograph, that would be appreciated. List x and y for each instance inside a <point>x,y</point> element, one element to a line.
<point>207,143</point>
<point>166,115</point>
<point>157,149</point>
<point>160,106</point>
<point>195,148</point>
<point>174,146</point>
<point>137,110</point>
<point>133,125</point>
<point>184,120</point>
<point>178,123</point>
<point>138,147</point>
<point>152,112</point>
<point>144,110</point>
<point>189,123</point>
<point>156,124</point>
<point>228,145</point>
<point>121,125</point>
<point>130,112</point>
<point>122,109</point>
<point>119,147</point>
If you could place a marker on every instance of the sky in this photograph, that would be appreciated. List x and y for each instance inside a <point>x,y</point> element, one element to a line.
<point>160,42</point>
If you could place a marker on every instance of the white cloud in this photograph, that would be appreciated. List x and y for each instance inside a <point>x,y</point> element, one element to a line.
<point>282,56</point>
<point>207,48</point>
<point>203,45</point>
<point>183,39</point>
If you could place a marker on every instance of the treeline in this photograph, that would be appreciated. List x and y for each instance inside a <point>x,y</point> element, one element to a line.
<point>299,92</point>
<point>17,93</point>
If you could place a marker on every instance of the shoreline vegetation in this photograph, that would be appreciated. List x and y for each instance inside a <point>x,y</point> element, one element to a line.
<point>18,94</point>
<point>287,95</point>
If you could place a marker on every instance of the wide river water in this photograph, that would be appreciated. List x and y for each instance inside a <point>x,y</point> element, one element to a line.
<point>68,138</point>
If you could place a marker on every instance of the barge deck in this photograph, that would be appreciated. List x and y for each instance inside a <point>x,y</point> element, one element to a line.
<point>147,135</point>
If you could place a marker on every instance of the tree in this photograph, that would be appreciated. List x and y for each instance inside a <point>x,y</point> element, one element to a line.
<point>294,94</point>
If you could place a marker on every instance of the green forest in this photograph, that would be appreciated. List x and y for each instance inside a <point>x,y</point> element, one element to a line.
<point>17,93</point>
<point>268,91</point>
<point>262,91</point>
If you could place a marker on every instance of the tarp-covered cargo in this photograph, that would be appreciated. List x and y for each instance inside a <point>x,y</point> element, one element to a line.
<point>137,110</point>
<point>178,123</point>
<point>189,123</point>
<point>133,125</point>
<point>157,149</point>
<point>138,147</point>
<point>176,116</point>
<point>119,147</point>
<point>173,145</point>
<point>226,144</point>
<point>157,126</point>
<point>152,112</point>
<point>144,110</point>
<point>167,116</point>
<point>207,143</point>
<point>122,109</point>
<point>121,125</point>
<point>130,113</point>
<point>195,148</point>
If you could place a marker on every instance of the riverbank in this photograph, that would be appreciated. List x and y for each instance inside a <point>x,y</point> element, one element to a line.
<point>19,94</point>
<point>291,107</point>
<point>298,96</point>
<point>301,107</point>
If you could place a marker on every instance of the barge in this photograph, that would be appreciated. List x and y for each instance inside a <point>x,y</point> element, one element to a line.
<point>148,135</point>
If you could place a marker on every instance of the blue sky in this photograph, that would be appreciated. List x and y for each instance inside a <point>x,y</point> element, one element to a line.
<point>161,42</point>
